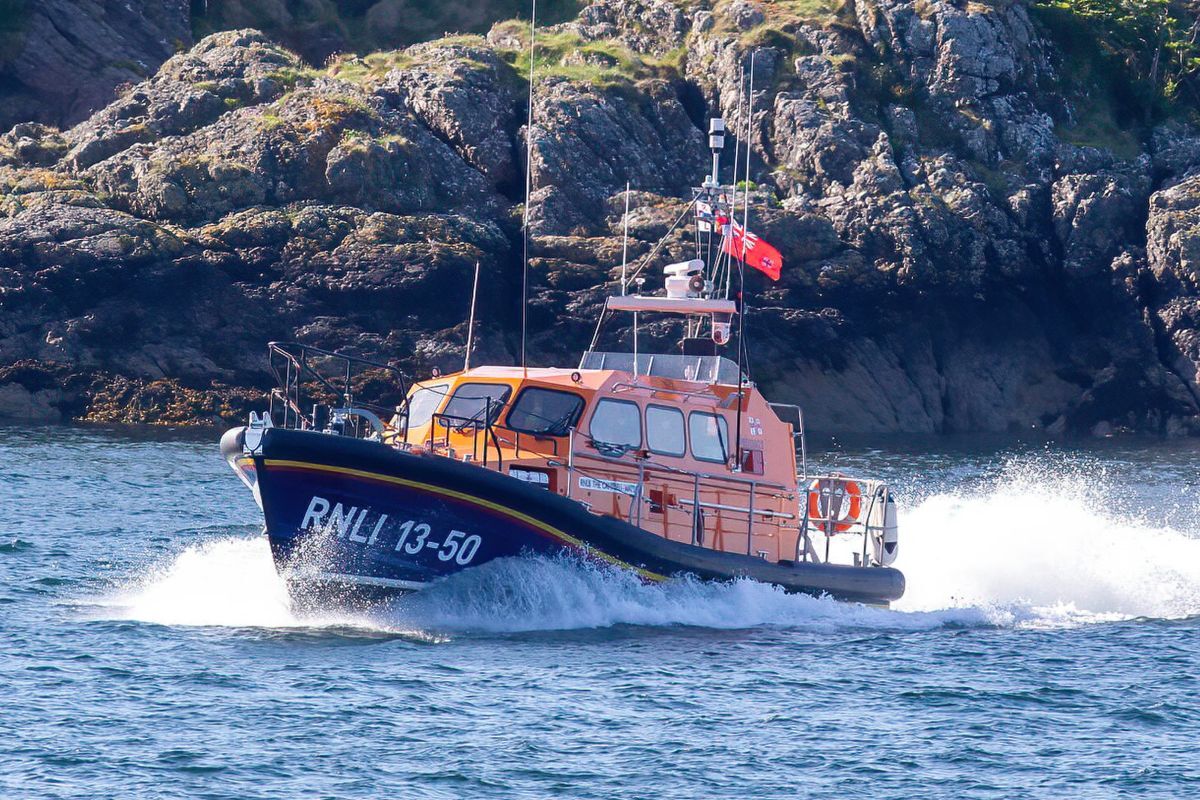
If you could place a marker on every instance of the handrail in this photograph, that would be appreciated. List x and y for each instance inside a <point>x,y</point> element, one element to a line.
<point>477,424</point>
<point>627,385</point>
<point>875,492</point>
<point>762,512</point>
<point>280,347</point>
<point>691,473</point>
<point>862,525</point>
<point>797,433</point>
<point>287,401</point>
<point>697,505</point>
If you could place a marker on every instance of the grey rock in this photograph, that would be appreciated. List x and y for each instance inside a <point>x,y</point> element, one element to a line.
<point>588,143</point>
<point>468,96</point>
<point>646,26</point>
<point>329,141</point>
<point>1093,216</point>
<point>952,260</point>
<point>222,72</point>
<point>65,58</point>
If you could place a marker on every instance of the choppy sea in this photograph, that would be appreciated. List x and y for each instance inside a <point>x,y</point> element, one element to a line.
<point>1048,646</point>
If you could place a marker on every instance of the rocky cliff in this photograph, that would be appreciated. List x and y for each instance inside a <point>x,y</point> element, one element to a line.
<point>977,237</point>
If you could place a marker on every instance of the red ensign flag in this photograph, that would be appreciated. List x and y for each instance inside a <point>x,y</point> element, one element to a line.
<point>758,254</point>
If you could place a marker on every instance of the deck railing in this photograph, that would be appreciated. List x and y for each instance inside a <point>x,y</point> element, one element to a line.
<point>834,501</point>
<point>642,465</point>
<point>304,373</point>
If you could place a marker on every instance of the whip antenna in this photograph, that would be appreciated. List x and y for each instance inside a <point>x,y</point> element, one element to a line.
<point>625,242</point>
<point>528,185</point>
<point>471,322</point>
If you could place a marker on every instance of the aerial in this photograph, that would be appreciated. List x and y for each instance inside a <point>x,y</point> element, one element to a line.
<point>626,398</point>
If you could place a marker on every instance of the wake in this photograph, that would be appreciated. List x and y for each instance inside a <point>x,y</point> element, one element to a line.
<point>1033,547</point>
<point>1026,550</point>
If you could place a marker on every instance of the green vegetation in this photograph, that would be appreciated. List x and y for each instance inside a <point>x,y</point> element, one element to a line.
<point>784,13</point>
<point>129,66</point>
<point>1097,124</point>
<point>354,139</point>
<point>270,121</point>
<point>319,28</point>
<point>368,70</point>
<point>604,63</point>
<point>781,18</point>
<point>1001,179</point>
<point>290,77</point>
<point>1144,55</point>
<point>319,114</point>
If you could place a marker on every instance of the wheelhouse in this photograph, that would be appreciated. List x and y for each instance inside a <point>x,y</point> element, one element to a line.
<point>656,448</point>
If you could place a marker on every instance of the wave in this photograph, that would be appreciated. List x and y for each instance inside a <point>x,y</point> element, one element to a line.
<point>1032,548</point>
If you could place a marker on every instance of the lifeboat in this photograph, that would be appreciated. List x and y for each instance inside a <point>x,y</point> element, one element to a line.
<point>663,464</point>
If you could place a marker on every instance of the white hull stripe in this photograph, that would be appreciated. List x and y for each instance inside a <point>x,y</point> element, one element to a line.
<point>359,580</point>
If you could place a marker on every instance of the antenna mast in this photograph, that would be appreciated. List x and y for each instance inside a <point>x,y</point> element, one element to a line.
<point>528,184</point>
<point>625,242</point>
<point>733,195</point>
<point>471,322</point>
<point>737,447</point>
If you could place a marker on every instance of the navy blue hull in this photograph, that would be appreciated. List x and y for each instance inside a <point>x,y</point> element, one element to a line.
<point>349,516</point>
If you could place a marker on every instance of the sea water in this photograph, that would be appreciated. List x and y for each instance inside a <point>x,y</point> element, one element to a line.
<point>1048,646</point>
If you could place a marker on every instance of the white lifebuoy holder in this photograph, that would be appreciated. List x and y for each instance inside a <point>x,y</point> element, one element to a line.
<point>885,536</point>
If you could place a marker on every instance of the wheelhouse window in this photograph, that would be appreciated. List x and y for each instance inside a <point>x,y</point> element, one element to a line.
<point>545,412</point>
<point>617,422</point>
<point>710,436</point>
<point>468,406</point>
<point>664,431</point>
<point>423,402</point>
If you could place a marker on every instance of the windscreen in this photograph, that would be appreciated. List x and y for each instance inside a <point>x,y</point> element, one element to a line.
<point>423,402</point>
<point>545,412</point>
<point>470,401</point>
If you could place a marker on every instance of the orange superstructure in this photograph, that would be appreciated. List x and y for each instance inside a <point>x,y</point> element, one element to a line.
<point>674,454</point>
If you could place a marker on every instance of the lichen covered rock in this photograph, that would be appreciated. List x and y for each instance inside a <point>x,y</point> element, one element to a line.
<point>963,250</point>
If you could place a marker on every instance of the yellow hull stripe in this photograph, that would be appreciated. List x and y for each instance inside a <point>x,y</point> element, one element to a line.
<point>470,499</point>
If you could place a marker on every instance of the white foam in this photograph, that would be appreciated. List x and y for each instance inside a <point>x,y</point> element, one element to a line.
<point>1035,548</point>
<point>560,594</point>
<point>229,581</point>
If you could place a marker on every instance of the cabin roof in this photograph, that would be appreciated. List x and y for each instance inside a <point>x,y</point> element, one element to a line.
<point>598,368</point>
<point>589,379</point>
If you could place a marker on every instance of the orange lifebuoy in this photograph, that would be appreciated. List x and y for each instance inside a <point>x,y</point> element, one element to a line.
<point>844,521</point>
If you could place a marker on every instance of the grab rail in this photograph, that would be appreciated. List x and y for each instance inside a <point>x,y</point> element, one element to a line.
<point>293,363</point>
<point>690,473</point>
<point>797,433</point>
